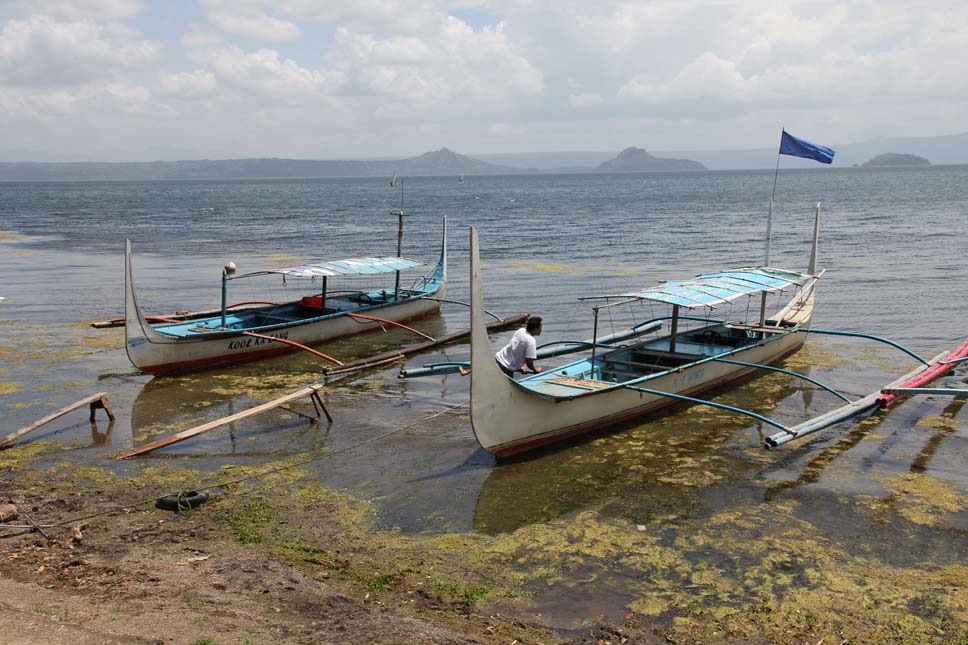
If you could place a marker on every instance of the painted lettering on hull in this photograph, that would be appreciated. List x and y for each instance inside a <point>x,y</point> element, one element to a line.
<point>688,378</point>
<point>251,341</point>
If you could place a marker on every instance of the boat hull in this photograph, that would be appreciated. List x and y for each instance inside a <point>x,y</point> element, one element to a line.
<point>541,420</point>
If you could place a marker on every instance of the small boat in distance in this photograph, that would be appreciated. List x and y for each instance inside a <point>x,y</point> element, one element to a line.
<point>620,383</point>
<point>249,331</point>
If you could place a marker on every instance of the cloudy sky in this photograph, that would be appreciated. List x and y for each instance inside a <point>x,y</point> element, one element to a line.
<point>153,79</point>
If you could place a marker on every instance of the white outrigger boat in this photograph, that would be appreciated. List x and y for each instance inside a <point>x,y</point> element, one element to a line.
<point>629,381</point>
<point>246,332</point>
<point>700,353</point>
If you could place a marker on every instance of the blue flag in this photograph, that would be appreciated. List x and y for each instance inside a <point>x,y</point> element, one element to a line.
<point>790,145</point>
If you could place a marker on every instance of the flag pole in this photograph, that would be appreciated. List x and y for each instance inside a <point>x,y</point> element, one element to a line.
<point>769,219</point>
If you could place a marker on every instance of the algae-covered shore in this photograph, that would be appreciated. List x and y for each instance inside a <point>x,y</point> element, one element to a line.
<point>275,557</point>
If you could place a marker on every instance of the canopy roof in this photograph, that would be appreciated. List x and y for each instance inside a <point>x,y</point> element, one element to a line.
<point>711,289</point>
<point>352,266</point>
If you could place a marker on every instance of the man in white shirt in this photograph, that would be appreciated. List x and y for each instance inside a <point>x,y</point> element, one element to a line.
<point>522,350</point>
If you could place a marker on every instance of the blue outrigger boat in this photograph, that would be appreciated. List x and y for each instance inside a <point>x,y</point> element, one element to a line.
<point>245,332</point>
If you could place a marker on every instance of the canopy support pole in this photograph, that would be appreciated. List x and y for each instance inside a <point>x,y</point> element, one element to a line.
<point>594,340</point>
<point>675,328</point>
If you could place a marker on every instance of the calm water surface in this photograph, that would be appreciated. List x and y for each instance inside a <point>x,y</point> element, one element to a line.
<point>892,242</point>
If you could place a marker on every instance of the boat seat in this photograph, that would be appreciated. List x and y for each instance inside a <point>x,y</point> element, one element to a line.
<point>373,297</point>
<point>660,359</point>
<point>270,319</point>
<point>630,367</point>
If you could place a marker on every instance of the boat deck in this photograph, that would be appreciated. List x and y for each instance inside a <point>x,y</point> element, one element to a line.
<point>282,315</point>
<point>645,358</point>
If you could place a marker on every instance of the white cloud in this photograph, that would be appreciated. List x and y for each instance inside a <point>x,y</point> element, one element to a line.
<point>185,85</point>
<point>248,19</point>
<point>452,68</point>
<point>196,37</point>
<point>391,16</point>
<point>85,9</point>
<point>487,74</point>
<point>262,72</point>
<point>585,100</point>
<point>46,52</point>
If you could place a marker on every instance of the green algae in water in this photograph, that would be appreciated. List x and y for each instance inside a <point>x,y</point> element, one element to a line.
<point>11,387</point>
<point>18,456</point>
<point>923,499</point>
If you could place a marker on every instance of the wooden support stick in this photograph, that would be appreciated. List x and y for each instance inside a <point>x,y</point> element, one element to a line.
<point>96,401</point>
<point>191,432</point>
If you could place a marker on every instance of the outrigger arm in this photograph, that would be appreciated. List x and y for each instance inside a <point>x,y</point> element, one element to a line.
<point>721,406</point>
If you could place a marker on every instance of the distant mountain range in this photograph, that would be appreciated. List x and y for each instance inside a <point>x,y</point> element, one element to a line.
<point>952,149</point>
<point>943,150</point>
<point>442,162</point>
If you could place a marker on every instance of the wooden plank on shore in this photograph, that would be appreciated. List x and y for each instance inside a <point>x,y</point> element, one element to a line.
<point>396,354</point>
<point>205,427</point>
<point>99,400</point>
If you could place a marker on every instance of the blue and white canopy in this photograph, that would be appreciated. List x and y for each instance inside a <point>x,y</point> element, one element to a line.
<point>711,289</point>
<point>352,266</point>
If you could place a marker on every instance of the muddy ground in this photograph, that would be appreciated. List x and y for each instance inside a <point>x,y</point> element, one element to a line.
<point>251,565</point>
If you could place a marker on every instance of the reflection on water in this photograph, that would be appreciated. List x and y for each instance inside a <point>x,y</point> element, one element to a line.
<point>663,467</point>
<point>166,405</point>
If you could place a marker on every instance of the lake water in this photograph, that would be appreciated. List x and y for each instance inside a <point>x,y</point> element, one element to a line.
<point>892,241</point>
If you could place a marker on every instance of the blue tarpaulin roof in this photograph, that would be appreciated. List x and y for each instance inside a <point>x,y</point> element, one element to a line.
<point>352,266</point>
<point>711,289</point>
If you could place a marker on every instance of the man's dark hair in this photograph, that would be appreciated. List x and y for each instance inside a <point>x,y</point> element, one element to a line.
<point>533,323</point>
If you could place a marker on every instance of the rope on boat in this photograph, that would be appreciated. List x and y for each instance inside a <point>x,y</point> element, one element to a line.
<point>294,344</point>
<point>459,302</point>
<point>390,322</point>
